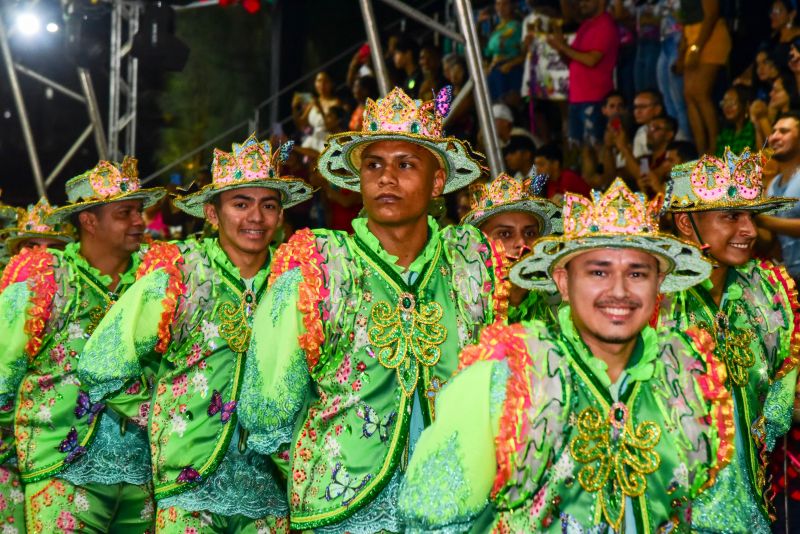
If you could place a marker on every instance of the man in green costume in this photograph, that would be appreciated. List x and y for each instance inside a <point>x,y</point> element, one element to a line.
<point>8,217</point>
<point>513,212</point>
<point>85,468</point>
<point>601,425</point>
<point>191,308</point>
<point>358,332</point>
<point>750,309</point>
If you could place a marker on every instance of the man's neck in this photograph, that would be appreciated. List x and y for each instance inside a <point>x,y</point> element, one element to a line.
<point>718,277</point>
<point>247,263</point>
<point>404,241</point>
<point>109,262</point>
<point>615,355</point>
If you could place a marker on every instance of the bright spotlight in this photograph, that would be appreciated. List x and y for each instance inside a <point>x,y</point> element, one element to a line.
<point>28,23</point>
<point>51,27</point>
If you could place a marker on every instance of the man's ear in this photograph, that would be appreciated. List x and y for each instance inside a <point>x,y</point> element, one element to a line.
<point>439,179</point>
<point>88,221</point>
<point>683,226</point>
<point>561,278</point>
<point>211,213</point>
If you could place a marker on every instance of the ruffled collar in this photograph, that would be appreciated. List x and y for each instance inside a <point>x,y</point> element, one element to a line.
<point>221,260</point>
<point>367,237</point>
<point>73,252</point>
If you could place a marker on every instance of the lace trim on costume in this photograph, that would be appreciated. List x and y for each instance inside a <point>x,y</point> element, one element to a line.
<point>777,413</point>
<point>165,256</point>
<point>499,341</point>
<point>242,485</point>
<point>113,457</point>
<point>301,251</point>
<point>36,266</point>
<point>777,275</point>
<point>17,295</point>
<point>379,515</point>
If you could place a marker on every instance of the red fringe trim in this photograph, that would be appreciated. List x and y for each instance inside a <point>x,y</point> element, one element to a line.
<point>165,256</point>
<point>776,274</point>
<point>498,342</point>
<point>34,266</point>
<point>502,286</point>
<point>301,251</point>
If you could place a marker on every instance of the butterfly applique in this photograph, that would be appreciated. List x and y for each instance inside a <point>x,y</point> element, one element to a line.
<point>343,485</point>
<point>189,474</point>
<point>71,447</point>
<point>84,406</point>
<point>443,100</point>
<point>225,409</point>
<point>373,423</point>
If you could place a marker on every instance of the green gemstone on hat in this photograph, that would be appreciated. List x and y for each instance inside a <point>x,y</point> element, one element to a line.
<point>414,127</point>
<point>271,173</point>
<point>373,126</point>
<point>594,228</point>
<point>732,191</point>
<point>406,302</point>
<point>123,186</point>
<point>237,174</point>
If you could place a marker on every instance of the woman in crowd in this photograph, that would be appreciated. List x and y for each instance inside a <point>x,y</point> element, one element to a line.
<point>311,114</point>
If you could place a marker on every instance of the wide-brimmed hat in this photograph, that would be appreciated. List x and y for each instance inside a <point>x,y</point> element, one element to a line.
<point>618,218</point>
<point>105,183</point>
<point>508,194</point>
<point>250,164</point>
<point>31,224</point>
<point>729,183</point>
<point>398,117</point>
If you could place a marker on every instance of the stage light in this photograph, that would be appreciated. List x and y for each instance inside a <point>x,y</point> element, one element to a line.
<point>28,23</point>
<point>51,27</point>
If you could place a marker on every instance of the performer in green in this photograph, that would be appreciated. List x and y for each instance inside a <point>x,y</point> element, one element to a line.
<point>601,425</point>
<point>84,467</point>
<point>8,218</point>
<point>514,212</point>
<point>191,308</point>
<point>358,332</point>
<point>750,309</point>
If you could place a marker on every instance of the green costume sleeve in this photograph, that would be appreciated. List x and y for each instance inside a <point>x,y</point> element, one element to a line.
<point>276,374</point>
<point>123,344</point>
<point>778,408</point>
<point>14,302</point>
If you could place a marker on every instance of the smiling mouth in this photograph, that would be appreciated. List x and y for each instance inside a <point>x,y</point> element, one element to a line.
<point>254,233</point>
<point>740,246</point>
<point>617,313</point>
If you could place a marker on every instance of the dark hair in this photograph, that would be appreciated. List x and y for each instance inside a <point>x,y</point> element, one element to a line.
<point>75,220</point>
<point>685,149</point>
<point>456,59</point>
<point>370,86</point>
<point>550,152</point>
<point>520,142</point>
<point>611,94</point>
<point>791,114</point>
<point>743,93</point>
<point>338,111</point>
<point>790,86</point>
<point>406,44</point>
<point>655,93</point>
<point>670,122</point>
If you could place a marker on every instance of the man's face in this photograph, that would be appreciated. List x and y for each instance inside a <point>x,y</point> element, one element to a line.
<point>785,139</point>
<point>247,218</point>
<point>516,161</point>
<point>613,107</point>
<point>673,158</point>
<point>590,8</point>
<point>398,180</point>
<point>503,128</point>
<point>42,242</point>
<point>119,225</point>
<point>645,108</point>
<point>730,234</point>
<point>545,166</point>
<point>612,293</point>
<point>517,231</point>
<point>429,61</point>
<point>401,58</point>
<point>658,134</point>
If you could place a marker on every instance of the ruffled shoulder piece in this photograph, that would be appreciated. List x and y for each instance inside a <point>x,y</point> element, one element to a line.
<point>788,300</point>
<point>470,252</point>
<point>36,267</point>
<point>301,252</point>
<point>168,258</point>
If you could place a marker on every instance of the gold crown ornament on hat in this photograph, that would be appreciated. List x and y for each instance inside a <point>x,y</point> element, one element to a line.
<point>398,117</point>
<point>249,164</point>
<point>32,224</point>
<point>618,218</point>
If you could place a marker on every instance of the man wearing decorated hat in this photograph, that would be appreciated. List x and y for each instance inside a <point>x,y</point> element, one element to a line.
<point>749,307</point>
<point>32,229</point>
<point>85,468</point>
<point>358,332</point>
<point>191,308</point>
<point>603,425</point>
<point>513,212</point>
<point>8,217</point>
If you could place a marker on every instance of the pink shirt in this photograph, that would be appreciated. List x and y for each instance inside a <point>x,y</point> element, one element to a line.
<point>592,84</point>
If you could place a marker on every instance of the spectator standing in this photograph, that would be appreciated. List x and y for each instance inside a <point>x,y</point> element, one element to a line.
<point>405,58</point>
<point>670,82</point>
<point>430,62</point>
<point>648,45</point>
<point>706,45</point>
<point>504,52</point>
<point>592,57</point>
<point>624,14</point>
<point>782,17</point>
<point>363,88</point>
<point>312,114</point>
<point>737,130</point>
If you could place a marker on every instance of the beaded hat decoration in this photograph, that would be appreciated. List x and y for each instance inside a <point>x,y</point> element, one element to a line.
<point>728,183</point>
<point>32,224</point>
<point>398,117</point>
<point>618,218</point>
<point>105,183</point>
<point>250,164</point>
<point>508,194</point>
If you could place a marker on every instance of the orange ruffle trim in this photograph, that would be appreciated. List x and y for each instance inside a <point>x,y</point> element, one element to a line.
<point>167,257</point>
<point>502,286</point>
<point>34,266</point>
<point>712,384</point>
<point>776,274</point>
<point>301,251</point>
<point>499,342</point>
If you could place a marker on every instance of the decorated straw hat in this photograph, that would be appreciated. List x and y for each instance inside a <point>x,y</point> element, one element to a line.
<point>617,219</point>
<point>250,164</point>
<point>729,183</point>
<point>508,194</point>
<point>31,224</point>
<point>105,183</point>
<point>398,117</point>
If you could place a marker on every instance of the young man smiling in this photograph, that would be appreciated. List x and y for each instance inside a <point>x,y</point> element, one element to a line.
<point>84,467</point>
<point>599,426</point>
<point>750,309</point>
<point>191,309</point>
<point>358,332</point>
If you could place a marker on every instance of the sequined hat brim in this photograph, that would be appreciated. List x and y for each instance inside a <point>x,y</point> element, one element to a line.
<point>545,211</point>
<point>767,205</point>
<point>149,197</point>
<point>15,238</point>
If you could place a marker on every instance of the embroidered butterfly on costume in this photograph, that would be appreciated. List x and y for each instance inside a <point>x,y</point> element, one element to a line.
<point>373,423</point>
<point>343,485</point>
<point>189,474</point>
<point>85,406</point>
<point>443,100</point>
<point>71,447</point>
<point>216,406</point>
